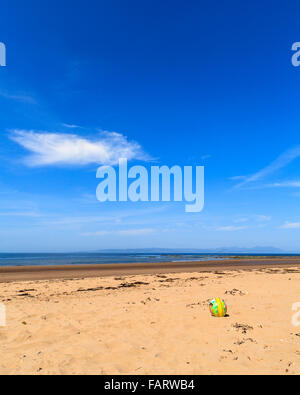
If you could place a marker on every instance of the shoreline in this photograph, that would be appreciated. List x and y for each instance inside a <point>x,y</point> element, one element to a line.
<point>32,273</point>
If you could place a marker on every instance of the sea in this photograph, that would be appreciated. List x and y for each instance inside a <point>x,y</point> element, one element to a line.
<point>49,259</point>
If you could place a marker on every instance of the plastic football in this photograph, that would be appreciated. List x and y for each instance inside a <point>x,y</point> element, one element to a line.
<point>217,307</point>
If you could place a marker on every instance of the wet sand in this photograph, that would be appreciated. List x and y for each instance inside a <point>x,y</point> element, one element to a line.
<point>31,273</point>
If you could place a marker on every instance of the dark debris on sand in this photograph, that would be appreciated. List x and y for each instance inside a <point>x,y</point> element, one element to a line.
<point>242,327</point>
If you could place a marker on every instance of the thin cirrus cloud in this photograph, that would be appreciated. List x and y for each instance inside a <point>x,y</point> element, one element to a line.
<point>241,220</point>
<point>20,214</point>
<point>284,184</point>
<point>291,225</point>
<point>127,232</point>
<point>71,126</point>
<point>230,228</point>
<point>283,160</point>
<point>47,148</point>
<point>262,218</point>
<point>256,217</point>
<point>18,97</point>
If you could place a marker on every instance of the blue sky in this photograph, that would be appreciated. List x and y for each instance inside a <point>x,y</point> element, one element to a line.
<point>184,83</point>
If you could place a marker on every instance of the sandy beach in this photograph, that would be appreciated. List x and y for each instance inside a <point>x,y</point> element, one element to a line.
<point>153,323</point>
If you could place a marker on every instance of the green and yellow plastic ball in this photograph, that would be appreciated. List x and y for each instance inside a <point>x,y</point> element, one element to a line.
<point>217,307</point>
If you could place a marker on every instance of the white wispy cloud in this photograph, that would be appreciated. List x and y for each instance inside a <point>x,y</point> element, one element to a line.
<point>284,184</point>
<point>127,232</point>
<point>18,97</point>
<point>98,233</point>
<point>83,220</point>
<point>262,218</point>
<point>291,225</point>
<point>283,160</point>
<point>136,232</point>
<point>113,217</point>
<point>253,217</point>
<point>241,220</point>
<point>20,214</point>
<point>70,149</point>
<point>70,126</point>
<point>230,228</point>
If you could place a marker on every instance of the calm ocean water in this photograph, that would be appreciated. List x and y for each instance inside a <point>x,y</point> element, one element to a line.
<point>43,259</point>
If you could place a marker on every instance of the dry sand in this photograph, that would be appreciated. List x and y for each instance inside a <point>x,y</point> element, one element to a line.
<point>153,324</point>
